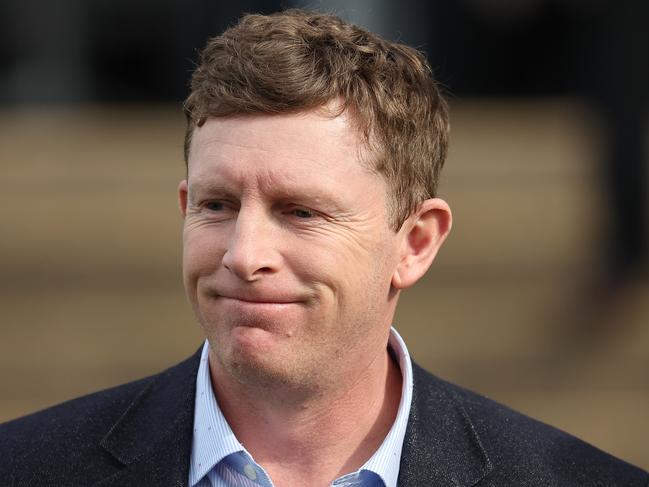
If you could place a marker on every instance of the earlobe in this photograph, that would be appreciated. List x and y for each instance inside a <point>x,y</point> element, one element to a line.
<point>424,233</point>
<point>182,197</point>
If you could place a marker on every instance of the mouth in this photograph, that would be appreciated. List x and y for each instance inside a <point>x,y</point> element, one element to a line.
<point>256,296</point>
<point>265,314</point>
<point>245,311</point>
<point>257,304</point>
<point>258,300</point>
<point>262,301</point>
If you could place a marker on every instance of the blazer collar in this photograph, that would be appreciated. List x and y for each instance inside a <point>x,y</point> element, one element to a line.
<point>441,447</point>
<point>153,438</point>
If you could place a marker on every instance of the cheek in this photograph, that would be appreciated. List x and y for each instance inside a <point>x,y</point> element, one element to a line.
<point>202,252</point>
<point>351,271</point>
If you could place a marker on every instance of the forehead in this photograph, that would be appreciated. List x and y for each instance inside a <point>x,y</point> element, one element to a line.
<point>287,146</point>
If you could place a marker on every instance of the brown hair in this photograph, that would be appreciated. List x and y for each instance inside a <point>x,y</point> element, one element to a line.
<point>298,60</point>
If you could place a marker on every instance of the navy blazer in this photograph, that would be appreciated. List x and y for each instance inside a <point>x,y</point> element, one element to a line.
<point>140,434</point>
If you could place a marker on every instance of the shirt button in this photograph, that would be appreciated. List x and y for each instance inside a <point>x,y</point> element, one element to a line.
<point>250,471</point>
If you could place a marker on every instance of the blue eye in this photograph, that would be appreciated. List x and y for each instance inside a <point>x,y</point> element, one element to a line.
<point>214,205</point>
<point>302,213</point>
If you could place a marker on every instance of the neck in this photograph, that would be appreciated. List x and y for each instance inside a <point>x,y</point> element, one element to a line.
<point>312,441</point>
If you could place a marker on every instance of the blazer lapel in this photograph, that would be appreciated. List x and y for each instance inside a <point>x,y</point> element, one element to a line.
<point>152,440</point>
<point>441,447</point>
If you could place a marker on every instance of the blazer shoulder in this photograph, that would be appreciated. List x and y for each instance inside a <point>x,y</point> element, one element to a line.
<point>70,433</point>
<point>523,449</point>
<point>76,424</point>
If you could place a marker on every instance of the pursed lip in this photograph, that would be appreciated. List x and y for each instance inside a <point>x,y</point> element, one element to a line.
<point>262,299</point>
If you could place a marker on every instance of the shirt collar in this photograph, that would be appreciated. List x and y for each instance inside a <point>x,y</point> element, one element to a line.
<point>213,439</point>
<point>385,461</point>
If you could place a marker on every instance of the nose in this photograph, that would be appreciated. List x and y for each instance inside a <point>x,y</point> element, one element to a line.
<point>251,251</point>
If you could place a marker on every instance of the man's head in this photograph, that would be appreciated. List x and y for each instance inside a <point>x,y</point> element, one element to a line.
<point>308,201</point>
<point>295,61</point>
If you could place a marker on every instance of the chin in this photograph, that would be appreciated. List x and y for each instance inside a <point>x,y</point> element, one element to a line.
<point>250,352</point>
<point>270,370</point>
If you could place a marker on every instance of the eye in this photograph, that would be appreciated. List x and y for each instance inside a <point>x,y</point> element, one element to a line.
<point>302,213</point>
<point>214,205</point>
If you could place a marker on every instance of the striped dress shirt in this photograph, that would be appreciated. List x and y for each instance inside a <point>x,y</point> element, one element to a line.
<point>218,459</point>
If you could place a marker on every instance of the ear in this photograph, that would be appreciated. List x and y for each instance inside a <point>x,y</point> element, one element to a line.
<point>182,197</point>
<point>424,233</point>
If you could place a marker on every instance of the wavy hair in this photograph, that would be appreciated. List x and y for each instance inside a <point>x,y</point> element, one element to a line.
<point>298,60</point>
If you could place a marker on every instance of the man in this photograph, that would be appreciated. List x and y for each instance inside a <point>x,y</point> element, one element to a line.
<point>313,151</point>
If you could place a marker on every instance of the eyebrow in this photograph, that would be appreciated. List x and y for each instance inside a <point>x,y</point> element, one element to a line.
<point>297,193</point>
<point>202,186</point>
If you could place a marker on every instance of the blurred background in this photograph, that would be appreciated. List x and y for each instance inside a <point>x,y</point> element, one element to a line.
<point>540,298</point>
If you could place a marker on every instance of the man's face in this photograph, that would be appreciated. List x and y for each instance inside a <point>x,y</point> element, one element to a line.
<point>288,251</point>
